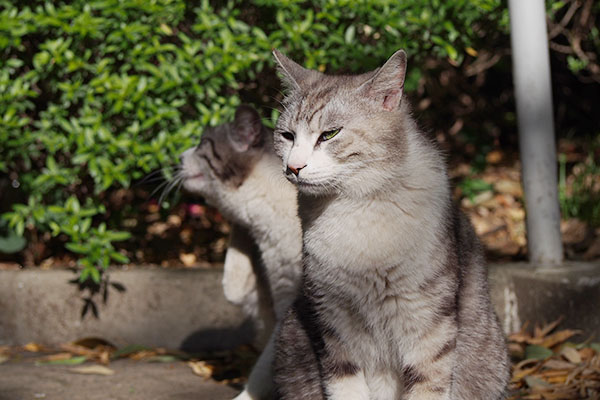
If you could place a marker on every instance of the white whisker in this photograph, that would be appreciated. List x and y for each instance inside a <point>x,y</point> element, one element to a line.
<point>159,187</point>
<point>176,180</point>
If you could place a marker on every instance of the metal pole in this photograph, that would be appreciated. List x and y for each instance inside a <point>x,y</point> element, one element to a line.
<point>531,71</point>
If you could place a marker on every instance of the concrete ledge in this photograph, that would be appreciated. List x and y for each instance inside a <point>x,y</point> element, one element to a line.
<point>524,293</point>
<point>186,308</point>
<point>160,308</point>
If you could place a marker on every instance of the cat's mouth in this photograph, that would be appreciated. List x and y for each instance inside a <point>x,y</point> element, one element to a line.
<point>199,175</point>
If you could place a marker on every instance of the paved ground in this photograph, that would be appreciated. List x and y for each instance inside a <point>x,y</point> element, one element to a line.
<point>133,380</point>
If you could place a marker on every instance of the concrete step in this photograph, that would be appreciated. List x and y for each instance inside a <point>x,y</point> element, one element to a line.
<point>132,380</point>
<point>185,309</point>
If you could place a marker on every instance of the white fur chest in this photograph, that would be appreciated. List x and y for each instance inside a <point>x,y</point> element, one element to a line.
<point>370,259</point>
<point>350,235</point>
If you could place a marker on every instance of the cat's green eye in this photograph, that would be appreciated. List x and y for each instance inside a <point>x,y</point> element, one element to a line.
<point>329,134</point>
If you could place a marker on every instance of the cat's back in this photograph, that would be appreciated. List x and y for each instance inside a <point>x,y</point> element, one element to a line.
<point>479,334</point>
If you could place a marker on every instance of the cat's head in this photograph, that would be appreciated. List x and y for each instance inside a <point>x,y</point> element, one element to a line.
<point>225,155</point>
<point>341,133</point>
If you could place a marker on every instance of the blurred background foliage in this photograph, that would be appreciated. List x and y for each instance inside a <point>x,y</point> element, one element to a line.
<point>98,98</point>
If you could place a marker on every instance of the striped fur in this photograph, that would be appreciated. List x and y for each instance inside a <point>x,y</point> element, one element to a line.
<point>394,302</point>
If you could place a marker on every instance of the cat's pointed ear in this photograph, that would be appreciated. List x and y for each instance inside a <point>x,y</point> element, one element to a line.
<point>293,74</point>
<point>387,84</point>
<point>247,128</point>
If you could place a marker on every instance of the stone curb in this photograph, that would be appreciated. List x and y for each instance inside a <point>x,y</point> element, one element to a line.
<point>185,308</point>
<point>522,293</point>
<point>175,308</point>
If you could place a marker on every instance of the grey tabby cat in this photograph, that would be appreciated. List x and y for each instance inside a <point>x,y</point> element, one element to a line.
<point>236,170</point>
<point>394,302</point>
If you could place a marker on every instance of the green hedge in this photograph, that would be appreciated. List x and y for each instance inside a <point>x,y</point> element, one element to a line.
<point>96,94</point>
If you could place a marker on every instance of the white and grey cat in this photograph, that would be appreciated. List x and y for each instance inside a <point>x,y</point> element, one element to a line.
<point>394,302</point>
<point>236,170</point>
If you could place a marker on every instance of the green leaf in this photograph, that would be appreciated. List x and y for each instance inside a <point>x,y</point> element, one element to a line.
<point>84,275</point>
<point>69,361</point>
<point>40,60</point>
<point>20,227</point>
<point>118,257</point>
<point>471,187</point>
<point>51,164</point>
<point>166,29</point>
<point>85,225</point>
<point>452,53</point>
<point>12,243</point>
<point>73,205</point>
<point>162,359</point>
<point>55,228</point>
<point>535,352</point>
<point>78,247</point>
<point>127,350</point>
<point>56,209</point>
<point>95,275</point>
<point>118,236</point>
<point>349,35</point>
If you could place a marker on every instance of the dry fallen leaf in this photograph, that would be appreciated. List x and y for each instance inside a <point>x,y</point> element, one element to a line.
<point>104,357</point>
<point>506,186</point>
<point>494,156</point>
<point>541,332</point>
<point>563,374</point>
<point>558,364</point>
<point>4,358</point>
<point>201,368</point>
<point>571,354</point>
<point>57,357</point>
<point>158,228</point>
<point>559,337</point>
<point>586,353</point>
<point>33,347</point>
<point>573,231</point>
<point>188,259</point>
<point>520,374</point>
<point>93,370</point>
<point>174,220</point>
<point>593,251</point>
<point>142,354</point>
<point>92,348</point>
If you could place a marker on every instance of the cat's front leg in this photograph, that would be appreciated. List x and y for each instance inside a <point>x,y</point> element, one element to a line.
<point>296,371</point>
<point>242,285</point>
<point>431,377</point>
<point>239,279</point>
<point>343,377</point>
<point>348,387</point>
<point>260,381</point>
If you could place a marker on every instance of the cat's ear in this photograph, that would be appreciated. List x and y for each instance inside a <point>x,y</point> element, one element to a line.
<point>247,128</point>
<point>293,74</point>
<point>387,84</point>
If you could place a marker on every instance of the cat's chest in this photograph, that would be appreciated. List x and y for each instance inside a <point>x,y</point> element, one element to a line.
<point>368,259</point>
<point>357,235</point>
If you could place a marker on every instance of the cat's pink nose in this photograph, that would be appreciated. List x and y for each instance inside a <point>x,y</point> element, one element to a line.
<point>295,169</point>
